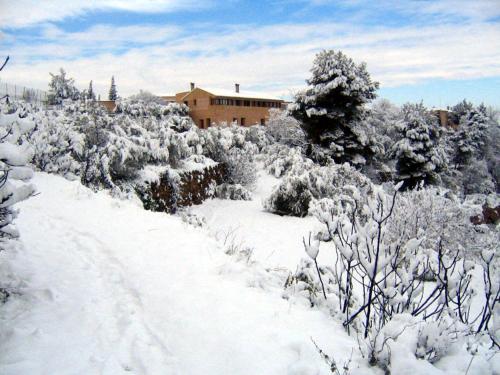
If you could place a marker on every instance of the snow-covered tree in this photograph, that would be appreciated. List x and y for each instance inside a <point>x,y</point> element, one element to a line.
<point>470,137</point>
<point>90,94</point>
<point>62,87</point>
<point>418,155</point>
<point>332,105</point>
<point>146,97</point>
<point>459,110</point>
<point>113,95</point>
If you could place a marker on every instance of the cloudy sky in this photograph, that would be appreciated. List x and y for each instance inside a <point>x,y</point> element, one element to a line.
<point>437,51</point>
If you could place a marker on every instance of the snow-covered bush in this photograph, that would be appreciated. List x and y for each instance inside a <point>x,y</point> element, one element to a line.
<point>434,216</point>
<point>234,192</point>
<point>15,155</point>
<point>240,167</point>
<point>229,145</point>
<point>313,283</point>
<point>300,187</point>
<point>285,129</point>
<point>383,259</point>
<point>380,124</point>
<point>279,159</point>
<point>57,145</point>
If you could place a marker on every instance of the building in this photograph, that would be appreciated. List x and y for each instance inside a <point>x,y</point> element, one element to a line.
<point>213,106</point>
<point>443,117</point>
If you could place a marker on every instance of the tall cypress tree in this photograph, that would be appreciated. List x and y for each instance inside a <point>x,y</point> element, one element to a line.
<point>112,90</point>
<point>91,93</point>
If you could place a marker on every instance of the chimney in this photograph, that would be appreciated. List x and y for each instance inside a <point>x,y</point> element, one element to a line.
<point>192,86</point>
<point>237,88</point>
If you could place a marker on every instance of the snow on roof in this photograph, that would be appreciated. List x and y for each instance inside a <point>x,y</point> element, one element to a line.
<point>242,94</point>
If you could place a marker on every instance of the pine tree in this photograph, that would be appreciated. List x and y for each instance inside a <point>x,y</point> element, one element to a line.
<point>90,92</point>
<point>331,107</point>
<point>112,90</point>
<point>459,110</point>
<point>470,138</point>
<point>61,88</point>
<point>418,155</point>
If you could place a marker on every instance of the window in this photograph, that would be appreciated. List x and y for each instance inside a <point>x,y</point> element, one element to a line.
<point>209,123</point>
<point>242,121</point>
<point>186,103</point>
<point>202,125</point>
<point>194,101</point>
<point>263,121</point>
<point>235,120</point>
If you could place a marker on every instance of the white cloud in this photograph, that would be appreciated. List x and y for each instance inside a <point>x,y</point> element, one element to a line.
<point>20,13</point>
<point>273,58</point>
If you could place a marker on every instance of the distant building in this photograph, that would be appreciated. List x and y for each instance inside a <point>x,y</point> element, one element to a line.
<point>212,106</point>
<point>444,118</point>
<point>108,104</point>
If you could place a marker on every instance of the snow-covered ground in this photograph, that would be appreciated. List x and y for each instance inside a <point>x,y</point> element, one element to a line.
<point>276,241</point>
<point>112,288</point>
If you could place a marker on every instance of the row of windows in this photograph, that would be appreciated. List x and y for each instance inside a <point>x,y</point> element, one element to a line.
<point>245,103</point>
<point>205,124</point>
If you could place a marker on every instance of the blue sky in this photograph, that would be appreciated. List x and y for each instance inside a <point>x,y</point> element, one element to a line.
<point>438,51</point>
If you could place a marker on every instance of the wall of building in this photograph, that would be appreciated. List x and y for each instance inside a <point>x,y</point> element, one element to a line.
<point>201,111</point>
<point>108,104</point>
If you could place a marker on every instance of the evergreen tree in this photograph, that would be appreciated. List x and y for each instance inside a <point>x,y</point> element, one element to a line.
<point>418,155</point>
<point>90,92</point>
<point>112,90</point>
<point>61,88</point>
<point>470,137</point>
<point>331,107</point>
<point>459,110</point>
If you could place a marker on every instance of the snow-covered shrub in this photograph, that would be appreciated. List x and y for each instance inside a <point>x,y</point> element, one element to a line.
<point>192,219</point>
<point>306,282</point>
<point>285,129</point>
<point>15,155</point>
<point>382,258</point>
<point>240,167</point>
<point>279,159</point>
<point>233,192</point>
<point>291,197</point>
<point>301,186</point>
<point>229,145</point>
<point>434,216</point>
<point>258,136</point>
<point>380,124</point>
<point>137,108</point>
<point>57,145</point>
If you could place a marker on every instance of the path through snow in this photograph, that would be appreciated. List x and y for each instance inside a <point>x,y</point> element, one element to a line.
<point>115,289</point>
